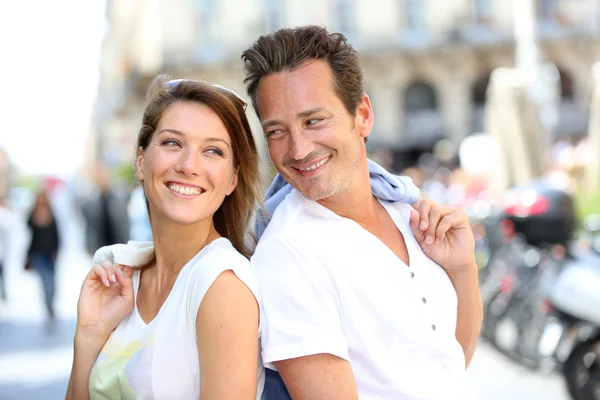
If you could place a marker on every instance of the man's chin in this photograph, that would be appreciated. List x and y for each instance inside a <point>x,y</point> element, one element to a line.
<point>315,194</point>
<point>310,197</point>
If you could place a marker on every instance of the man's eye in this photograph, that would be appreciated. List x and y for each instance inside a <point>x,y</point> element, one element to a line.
<point>313,121</point>
<point>272,132</point>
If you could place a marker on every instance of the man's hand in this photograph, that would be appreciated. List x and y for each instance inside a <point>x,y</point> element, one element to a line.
<point>444,234</point>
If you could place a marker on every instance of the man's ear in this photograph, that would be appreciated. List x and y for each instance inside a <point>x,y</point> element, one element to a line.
<point>139,169</point>
<point>364,116</point>
<point>234,181</point>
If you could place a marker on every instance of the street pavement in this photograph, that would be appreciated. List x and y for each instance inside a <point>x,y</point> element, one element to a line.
<point>35,359</point>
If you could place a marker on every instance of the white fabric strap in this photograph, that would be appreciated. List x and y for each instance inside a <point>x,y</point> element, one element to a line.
<point>132,254</point>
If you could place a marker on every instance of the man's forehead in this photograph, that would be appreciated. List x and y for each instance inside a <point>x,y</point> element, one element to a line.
<point>298,91</point>
<point>310,71</point>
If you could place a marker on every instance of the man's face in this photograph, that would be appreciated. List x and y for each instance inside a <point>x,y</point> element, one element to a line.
<point>315,144</point>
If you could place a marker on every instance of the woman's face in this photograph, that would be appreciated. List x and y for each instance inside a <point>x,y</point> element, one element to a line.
<point>188,168</point>
<point>41,202</point>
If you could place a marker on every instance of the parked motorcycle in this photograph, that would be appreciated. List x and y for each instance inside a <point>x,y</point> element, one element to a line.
<point>516,309</point>
<point>576,299</point>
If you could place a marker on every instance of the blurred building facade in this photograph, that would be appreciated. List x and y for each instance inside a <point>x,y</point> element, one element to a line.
<point>426,63</point>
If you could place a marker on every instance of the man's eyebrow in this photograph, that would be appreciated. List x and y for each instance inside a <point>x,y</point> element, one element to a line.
<point>268,124</point>
<point>302,114</point>
<point>311,111</point>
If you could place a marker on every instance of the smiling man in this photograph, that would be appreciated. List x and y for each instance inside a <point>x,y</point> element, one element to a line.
<point>361,297</point>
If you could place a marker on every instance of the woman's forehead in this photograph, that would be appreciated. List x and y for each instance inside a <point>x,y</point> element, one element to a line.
<point>194,120</point>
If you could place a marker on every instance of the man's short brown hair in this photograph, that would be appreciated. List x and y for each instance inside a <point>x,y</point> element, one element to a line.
<point>289,48</point>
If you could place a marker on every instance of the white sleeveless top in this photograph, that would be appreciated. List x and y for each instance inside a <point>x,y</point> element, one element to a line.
<point>159,360</point>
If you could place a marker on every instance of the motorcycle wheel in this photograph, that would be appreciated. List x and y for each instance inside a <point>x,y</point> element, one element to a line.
<point>582,372</point>
<point>493,313</point>
<point>508,332</point>
<point>529,346</point>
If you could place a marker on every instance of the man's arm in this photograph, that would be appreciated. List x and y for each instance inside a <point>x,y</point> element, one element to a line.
<point>445,235</point>
<point>470,310</point>
<point>320,376</point>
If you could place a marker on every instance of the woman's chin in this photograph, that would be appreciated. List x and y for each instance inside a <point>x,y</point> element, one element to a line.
<point>183,218</point>
<point>178,214</point>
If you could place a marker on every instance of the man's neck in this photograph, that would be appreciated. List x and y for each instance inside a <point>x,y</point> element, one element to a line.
<point>356,203</point>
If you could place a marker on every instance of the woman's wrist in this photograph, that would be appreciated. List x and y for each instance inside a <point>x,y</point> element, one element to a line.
<point>88,344</point>
<point>90,337</point>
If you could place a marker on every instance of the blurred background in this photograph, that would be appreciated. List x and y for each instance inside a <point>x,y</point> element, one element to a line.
<point>490,105</point>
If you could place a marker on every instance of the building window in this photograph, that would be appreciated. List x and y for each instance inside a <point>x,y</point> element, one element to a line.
<point>482,11</point>
<point>546,9</point>
<point>414,14</point>
<point>420,96</point>
<point>479,89</point>
<point>479,98</point>
<point>566,86</point>
<point>423,123</point>
<point>274,10</point>
<point>343,13</point>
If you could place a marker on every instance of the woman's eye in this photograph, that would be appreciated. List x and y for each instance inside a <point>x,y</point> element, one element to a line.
<point>216,151</point>
<point>170,142</point>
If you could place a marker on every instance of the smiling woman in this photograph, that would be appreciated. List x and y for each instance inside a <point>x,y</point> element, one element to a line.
<point>184,323</point>
<point>175,102</point>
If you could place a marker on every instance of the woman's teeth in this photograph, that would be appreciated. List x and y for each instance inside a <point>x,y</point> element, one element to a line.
<point>185,190</point>
<point>315,166</point>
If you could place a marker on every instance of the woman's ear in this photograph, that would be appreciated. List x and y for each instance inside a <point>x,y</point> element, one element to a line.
<point>139,169</point>
<point>234,181</point>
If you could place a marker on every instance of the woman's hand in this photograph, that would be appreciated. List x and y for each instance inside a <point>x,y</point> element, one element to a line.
<point>105,300</point>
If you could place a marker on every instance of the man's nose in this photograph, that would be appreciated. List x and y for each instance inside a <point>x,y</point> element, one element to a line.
<point>300,145</point>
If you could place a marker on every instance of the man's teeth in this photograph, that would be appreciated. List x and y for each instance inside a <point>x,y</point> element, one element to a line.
<point>315,166</point>
<point>185,190</point>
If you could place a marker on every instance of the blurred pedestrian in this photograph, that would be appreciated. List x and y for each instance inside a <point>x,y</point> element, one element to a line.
<point>105,212</point>
<point>138,216</point>
<point>45,243</point>
<point>5,224</point>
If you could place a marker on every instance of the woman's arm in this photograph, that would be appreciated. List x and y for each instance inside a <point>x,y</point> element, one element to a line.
<point>227,332</point>
<point>102,305</point>
<point>87,347</point>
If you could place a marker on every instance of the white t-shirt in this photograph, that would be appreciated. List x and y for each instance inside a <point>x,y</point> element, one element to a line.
<point>159,360</point>
<point>330,286</point>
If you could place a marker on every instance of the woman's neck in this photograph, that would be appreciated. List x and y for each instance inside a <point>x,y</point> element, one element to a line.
<point>175,245</point>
